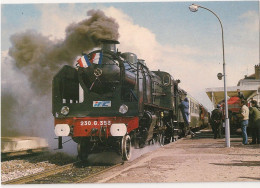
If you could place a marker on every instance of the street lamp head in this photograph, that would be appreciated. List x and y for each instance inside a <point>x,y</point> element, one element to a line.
<point>194,8</point>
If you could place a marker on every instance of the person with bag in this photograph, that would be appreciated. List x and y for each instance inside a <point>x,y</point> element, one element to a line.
<point>254,116</point>
<point>216,121</point>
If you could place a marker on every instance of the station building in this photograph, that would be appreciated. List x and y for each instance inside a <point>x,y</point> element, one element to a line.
<point>249,86</point>
<point>253,80</point>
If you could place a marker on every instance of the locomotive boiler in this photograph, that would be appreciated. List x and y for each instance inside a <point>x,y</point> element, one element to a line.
<point>112,101</point>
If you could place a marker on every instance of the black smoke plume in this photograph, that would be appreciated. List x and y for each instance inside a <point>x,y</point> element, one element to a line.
<point>40,58</point>
<point>33,61</point>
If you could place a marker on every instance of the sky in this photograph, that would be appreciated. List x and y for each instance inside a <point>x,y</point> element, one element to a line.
<point>165,34</point>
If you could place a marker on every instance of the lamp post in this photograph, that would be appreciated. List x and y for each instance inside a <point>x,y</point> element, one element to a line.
<point>194,8</point>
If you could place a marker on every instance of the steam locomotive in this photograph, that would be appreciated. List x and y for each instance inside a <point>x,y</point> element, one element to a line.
<point>112,101</point>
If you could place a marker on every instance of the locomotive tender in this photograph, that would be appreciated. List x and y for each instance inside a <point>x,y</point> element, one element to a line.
<point>112,101</point>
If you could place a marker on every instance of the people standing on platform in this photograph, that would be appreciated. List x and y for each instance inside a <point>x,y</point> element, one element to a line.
<point>240,95</point>
<point>216,122</point>
<point>244,115</point>
<point>184,107</point>
<point>254,117</point>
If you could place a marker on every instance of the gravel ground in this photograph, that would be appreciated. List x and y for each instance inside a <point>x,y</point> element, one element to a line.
<point>24,166</point>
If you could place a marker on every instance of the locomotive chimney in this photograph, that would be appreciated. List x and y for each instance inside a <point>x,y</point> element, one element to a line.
<point>109,45</point>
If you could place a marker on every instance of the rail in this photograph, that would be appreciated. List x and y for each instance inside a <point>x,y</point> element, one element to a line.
<point>39,175</point>
<point>95,174</point>
<point>54,171</point>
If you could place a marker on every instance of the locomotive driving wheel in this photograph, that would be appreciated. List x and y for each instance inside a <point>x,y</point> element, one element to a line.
<point>161,138</point>
<point>126,147</point>
<point>82,150</point>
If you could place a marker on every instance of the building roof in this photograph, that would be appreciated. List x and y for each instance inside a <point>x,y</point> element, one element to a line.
<point>216,95</point>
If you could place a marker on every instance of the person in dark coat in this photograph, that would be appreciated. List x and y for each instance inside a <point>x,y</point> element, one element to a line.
<point>240,95</point>
<point>216,121</point>
<point>184,106</point>
<point>254,117</point>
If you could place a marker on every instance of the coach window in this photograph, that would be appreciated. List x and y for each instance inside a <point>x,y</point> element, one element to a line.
<point>192,107</point>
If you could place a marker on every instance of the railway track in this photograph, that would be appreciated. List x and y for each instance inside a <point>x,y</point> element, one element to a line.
<point>39,175</point>
<point>76,172</point>
<point>22,154</point>
<point>92,175</point>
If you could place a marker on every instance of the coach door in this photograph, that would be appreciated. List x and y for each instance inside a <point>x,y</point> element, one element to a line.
<point>191,107</point>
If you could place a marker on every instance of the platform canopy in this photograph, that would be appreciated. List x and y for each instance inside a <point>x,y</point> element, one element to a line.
<point>216,95</point>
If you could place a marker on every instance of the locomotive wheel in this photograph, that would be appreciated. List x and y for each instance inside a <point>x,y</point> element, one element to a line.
<point>185,131</point>
<point>126,147</point>
<point>152,142</point>
<point>82,150</point>
<point>141,144</point>
<point>171,139</point>
<point>161,139</point>
<point>135,141</point>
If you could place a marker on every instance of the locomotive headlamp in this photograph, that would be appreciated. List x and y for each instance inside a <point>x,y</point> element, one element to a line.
<point>123,109</point>
<point>65,110</point>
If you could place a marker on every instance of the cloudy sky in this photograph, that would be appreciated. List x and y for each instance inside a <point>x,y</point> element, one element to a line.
<point>165,34</point>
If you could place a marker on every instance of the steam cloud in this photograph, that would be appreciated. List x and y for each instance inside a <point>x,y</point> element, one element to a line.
<point>33,61</point>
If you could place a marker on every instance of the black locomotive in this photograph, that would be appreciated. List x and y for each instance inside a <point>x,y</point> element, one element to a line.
<point>117,102</point>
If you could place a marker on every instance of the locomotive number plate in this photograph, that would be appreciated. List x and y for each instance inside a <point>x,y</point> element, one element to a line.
<point>96,123</point>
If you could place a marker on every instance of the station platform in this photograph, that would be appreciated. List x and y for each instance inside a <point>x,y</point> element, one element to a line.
<point>198,159</point>
<point>12,146</point>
